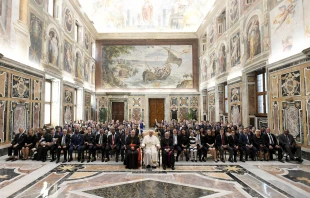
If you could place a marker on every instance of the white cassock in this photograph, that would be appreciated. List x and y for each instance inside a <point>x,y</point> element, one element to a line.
<point>150,151</point>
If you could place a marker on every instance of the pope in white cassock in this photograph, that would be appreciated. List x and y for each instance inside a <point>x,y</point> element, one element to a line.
<point>151,144</point>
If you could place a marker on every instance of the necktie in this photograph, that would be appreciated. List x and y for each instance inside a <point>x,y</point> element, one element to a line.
<point>288,140</point>
<point>247,139</point>
<point>175,140</point>
<point>112,139</point>
<point>126,138</point>
<point>271,140</point>
<point>223,140</point>
<point>63,140</point>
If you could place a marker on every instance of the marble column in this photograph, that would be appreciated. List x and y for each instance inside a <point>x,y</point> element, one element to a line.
<point>56,115</point>
<point>217,103</point>
<point>80,104</point>
<point>244,105</point>
<point>22,32</point>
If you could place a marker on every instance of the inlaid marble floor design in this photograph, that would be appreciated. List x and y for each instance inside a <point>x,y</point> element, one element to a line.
<point>206,179</point>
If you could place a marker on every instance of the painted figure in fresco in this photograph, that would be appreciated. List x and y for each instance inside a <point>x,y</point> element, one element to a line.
<point>235,115</point>
<point>147,11</point>
<point>86,40</point>
<point>78,66</point>
<point>284,15</point>
<point>234,10</point>
<point>86,71</point>
<point>39,2</point>
<point>68,20</point>
<point>254,39</point>
<point>68,58</point>
<point>53,48</point>
<point>287,43</point>
<point>235,51</point>
<point>211,34</point>
<point>204,69</point>
<point>35,38</point>
<point>222,59</point>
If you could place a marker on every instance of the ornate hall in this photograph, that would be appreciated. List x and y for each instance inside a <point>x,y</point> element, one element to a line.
<point>154,98</point>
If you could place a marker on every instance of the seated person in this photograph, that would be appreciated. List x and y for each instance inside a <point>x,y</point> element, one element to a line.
<point>29,144</point>
<point>100,144</point>
<point>167,152</point>
<point>17,143</point>
<point>184,143</point>
<point>45,144</point>
<point>288,143</point>
<point>223,144</point>
<point>210,143</point>
<point>77,141</point>
<point>273,145</point>
<point>123,143</point>
<point>176,143</point>
<point>234,144</point>
<point>246,145</point>
<point>201,146</point>
<point>89,141</point>
<point>193,147</point>
<point>63,145</point>
<point>132,151</point>
<point>259,143</point>
<point>113,145</point>
<point>151,145</point>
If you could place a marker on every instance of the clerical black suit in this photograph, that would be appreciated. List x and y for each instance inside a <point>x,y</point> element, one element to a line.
<point>167,156</point>
<point>89,141</point>
<point>131,160</point>
<point>63,142</point>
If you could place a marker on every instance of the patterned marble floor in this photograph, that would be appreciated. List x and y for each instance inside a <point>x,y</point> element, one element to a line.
<point>208,179</point>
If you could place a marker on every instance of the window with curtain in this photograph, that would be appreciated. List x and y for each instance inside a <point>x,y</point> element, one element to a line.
<point>48,101</point>
<point>261,84</point>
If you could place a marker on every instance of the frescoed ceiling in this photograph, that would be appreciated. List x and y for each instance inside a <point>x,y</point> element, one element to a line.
<point>125,16</point>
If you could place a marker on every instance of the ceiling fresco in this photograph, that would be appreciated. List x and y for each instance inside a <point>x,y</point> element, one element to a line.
<point>146,15</point>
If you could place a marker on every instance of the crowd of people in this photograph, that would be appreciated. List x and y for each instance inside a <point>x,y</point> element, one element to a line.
<point>126,139</point>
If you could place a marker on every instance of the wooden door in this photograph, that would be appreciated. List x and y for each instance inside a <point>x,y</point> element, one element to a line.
<point>118,111</point>
<point>156,110</point>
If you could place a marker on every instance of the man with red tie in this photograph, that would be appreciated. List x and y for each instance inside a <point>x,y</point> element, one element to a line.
<point>113,144</point>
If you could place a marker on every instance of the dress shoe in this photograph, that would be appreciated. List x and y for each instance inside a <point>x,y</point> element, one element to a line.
<point>153,167</point>
<point>64,161</point>
<point>231,161</point>
<point>57,161</point>
<point>192,160</point>
<point>148,166</point>
<point>195,160</point>
<point>52,160</point>
<point>176,159</point>
<point>14,159</point>
<point>93,160</point>
<point>300,160</point>
<point>9,159</point>
<point>200,160</point>
<point>79,160</point>
<point>223,160</point>
<point>70,160</point>
<point>102,160</point>
<point>82,160</point>
<point>164,167</point>
<point>242,160</point>
<point>88,160</point>
<point>122,159</point>
<point>116,160</point>
<point>172,168</point>
<point>106,160</point>
<point>235,160</point>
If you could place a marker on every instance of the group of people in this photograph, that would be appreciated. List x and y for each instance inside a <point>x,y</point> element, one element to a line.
<point>127,139</point>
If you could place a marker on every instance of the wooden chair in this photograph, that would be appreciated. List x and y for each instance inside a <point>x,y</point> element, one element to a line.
<point>145,133</point>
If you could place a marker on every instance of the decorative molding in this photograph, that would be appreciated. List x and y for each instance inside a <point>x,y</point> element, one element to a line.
<point>147,35</point>
<point>294,60</point>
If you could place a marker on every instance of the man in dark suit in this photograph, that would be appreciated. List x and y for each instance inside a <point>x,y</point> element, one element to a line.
<point>77,141</point>
<point>184,142</point>
<point>222,144</point>
<point>53,145</point>
<point>288,143</point>
<point>100,143</point>
<point>89,141</point>
<point>113,144</point>
<point>234,144</point>
<point>167,151</point>
<point>272,144</point>
<point>63,144</point>
<point>17,143</point>
<point>123,143</point>
<point>201,146</point>
<point>176,143</point>
<point>246,144</point>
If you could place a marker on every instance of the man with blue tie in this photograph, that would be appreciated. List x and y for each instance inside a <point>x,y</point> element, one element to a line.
<point>246,144</point>
<point>77,141</point>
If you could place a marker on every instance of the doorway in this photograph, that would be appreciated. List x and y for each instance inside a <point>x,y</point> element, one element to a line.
<point>156,110</point>
<point>118,111</point>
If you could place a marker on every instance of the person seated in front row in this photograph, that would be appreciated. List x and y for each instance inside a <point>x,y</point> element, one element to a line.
<point>192,146</point>
<point>259,143</point>
<point>246,144</point>
<point>273,145</point>
<point>151,145</point>
<point>184,143</point>
<point>288,143</point>
<point>113,144</point>
<point>77,141</point>
<point>210,143</point>
<point>167,152</point>
<point>63,145</point>
<point>17,143</point>
<point>176,143</point>
<point>132,151</point>
<point>234,144</point>
<point>201,145</point>
<point>89,141</point>
<point>100,144</point>
<point>223,144</point>
<point>30,143</point>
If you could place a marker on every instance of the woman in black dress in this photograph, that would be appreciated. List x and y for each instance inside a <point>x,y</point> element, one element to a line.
<point>29,144</point>
<point>210,142</point>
